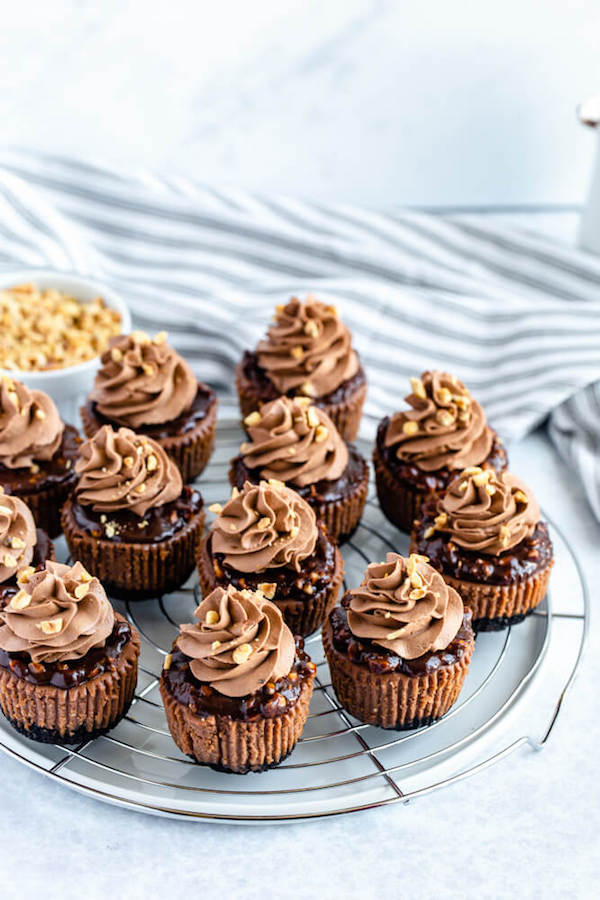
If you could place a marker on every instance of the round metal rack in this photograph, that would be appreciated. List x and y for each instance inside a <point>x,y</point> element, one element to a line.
<point>513,694</point>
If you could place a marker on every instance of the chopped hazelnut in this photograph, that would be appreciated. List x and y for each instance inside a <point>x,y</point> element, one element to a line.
<point>241,653</point>
<point>81,591</point>
<point>311,328</point>
<point>263,523</point>
<point>215,508</point>
<point>321,434</point>
<point>151,463</point>
<point>51,626</point>
<point>410,427</point>
<point>253,418</point>
<point>444,417</point>
<point>418,388</point>
<point>167,661</point>
<point>21,600</point>
<point>211,617</point>
<point>268,589</point>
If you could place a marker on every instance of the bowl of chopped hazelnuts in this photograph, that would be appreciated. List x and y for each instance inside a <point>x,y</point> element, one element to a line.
<point>53,328</point>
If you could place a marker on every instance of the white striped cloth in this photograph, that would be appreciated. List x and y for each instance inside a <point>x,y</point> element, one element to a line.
<point>513,314</point>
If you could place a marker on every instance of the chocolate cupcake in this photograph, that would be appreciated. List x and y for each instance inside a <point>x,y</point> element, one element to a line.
<point>267,538</point>
<point>23,547</point>
<point>68,662</point>
<point>294,441</point>
<point>418,452</point>
<point>307,351</point>
<point>145,385</point>
<point>37,452</point>
<point>131,521</point>
<point>399,646</point>
<point>486,538</point>
<point>237,686</point>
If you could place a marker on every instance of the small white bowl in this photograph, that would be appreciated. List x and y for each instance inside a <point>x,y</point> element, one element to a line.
<point>68,387</point>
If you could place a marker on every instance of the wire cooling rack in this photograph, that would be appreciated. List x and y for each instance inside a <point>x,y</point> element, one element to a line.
<point>512,696</point>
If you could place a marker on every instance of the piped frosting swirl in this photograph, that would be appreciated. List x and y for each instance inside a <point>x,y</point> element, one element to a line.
<point>30,426</point>
<point>308,349</point>
<point>486,512</point>
<point>59,613</point>
<point>445,426</point>
<point>405,606</point>
<point>124,470</point>
<point>295,442</point>
<point>143,381</point>
<point>239,643</point>
<point>264,526</point>
<point>18,535</point>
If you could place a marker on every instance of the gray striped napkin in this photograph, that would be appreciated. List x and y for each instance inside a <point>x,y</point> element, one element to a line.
<point>515,315</point>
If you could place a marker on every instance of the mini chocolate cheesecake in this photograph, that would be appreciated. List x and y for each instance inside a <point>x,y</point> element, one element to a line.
<point>236,687</point>
<point>68,662</point>
<point>267,538</point>
<point>23,547</point>
<point>419,451</point>
<point>131,520</point>
<point>399,646</point>
<point>37,452</point>
<point>295,442</point>
<point>306,352</point>
<point>145,385</point>
<point>486,537</point>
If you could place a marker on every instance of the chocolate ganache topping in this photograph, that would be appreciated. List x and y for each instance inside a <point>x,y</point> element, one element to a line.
<point>30,427</point>
<point>307,349</point>
<point>18,535</point>
<point>239,643</point>
<point>405,606</point>
<point>124,470</point>
<point>486,512</point>
<point>295,442</point>
<point>446,427</point>
<point>59,613</point>
<point>264,526</point>
<point>143,381</point>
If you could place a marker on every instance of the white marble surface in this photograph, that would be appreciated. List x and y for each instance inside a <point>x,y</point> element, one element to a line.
<point>371,101</point>
<point>528,827</point>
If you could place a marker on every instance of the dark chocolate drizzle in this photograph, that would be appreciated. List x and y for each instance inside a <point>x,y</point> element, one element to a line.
<point>187,421</point>
<point>431,482</point>
<point>57,470</point>
<point>158,524</point>
<point>381,661</point>
<point>271,700</point>
<point>73,672</point>
<point>266,390</point>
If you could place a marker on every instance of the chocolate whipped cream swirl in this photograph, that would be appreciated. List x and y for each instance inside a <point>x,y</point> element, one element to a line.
<point>30,427</point>
<point>239,643</point>
<point>59,613</point>
<point>143,381</point>
<point>487,512</point>
<point>445,427</point>
<point>405,606</point>
<point>308,349</point>
<point>265,526</point>
<point>18,535</point>
<point>123,470</point>
<point>295,442</point>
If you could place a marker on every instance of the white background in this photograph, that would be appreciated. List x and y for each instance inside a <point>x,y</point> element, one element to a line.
<point>373,101</point>
<point>432,102</point>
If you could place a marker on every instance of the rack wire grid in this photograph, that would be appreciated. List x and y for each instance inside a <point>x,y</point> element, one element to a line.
<point>520,675</point>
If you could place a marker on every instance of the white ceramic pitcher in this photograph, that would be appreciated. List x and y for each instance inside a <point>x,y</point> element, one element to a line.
<point>589,229</point>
